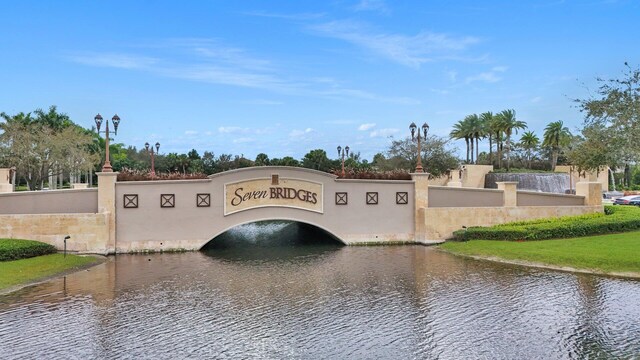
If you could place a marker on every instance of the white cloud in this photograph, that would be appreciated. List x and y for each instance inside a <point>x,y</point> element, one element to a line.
<point>372,5</point>
<point>536,99</point>
<point>191,132</point>
<point>489,76</point>
<point>383,132</point>
<point>231,129</point>
<point>411,51</point>
<point>452,75</point>
<point>300,133</point>
<point>367,126</point>
<point>242,140</point>
<point>114,60</point>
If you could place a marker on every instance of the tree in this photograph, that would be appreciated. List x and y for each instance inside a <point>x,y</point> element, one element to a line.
<point>509,124</point>
<point>48,144</point>
<point>262,159</point>
<point>317,159</point>
<point>614,113</point>
<point>285,161</point>
<point>461,130</point>
<point>209,162</point>
<point>476,129</point>
<point>529,142</point>
<point>486,119</point>
<point>437,157</point>
<point>556,135</point>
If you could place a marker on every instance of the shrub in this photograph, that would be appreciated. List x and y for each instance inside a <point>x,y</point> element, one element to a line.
<point>140,175</point>
<point>373,175</point>
<point>615,219</point>
<point>15,249</point>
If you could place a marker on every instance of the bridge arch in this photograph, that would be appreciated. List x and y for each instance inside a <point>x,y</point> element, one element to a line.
<point>231,227</point>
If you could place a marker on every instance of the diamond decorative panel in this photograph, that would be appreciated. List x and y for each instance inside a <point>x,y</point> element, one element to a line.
<point>341,198</point>
<point>402,198</point>
<point>372,198</point>
<point>167,200</point>
<point>130,201</point>
<point>203,200</point>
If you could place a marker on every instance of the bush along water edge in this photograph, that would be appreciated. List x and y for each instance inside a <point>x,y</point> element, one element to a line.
<point>615,219</point>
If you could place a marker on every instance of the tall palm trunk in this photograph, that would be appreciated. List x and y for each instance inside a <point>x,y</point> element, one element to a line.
<point>554,159</point>
<point>477,140</point>
<point>471,138</point>
<point>466,140</point>
<point>490,149</point>
<point>508,150</point>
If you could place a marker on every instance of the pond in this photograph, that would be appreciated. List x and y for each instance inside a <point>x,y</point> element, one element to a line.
<point>320,300</point>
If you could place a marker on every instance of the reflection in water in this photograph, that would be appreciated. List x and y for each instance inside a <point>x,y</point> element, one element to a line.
<point>320,302</point>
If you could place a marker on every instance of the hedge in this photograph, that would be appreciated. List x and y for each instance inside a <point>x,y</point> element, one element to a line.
<point>614,220</point>
<point>16,249</point>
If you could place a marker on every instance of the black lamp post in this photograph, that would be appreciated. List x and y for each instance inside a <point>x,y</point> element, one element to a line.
<point>341,152</point>
<point>153,154</point>
<point>425,130</point>
<point>116,120</point>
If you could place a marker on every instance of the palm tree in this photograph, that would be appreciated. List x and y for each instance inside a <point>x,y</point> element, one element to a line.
<point>461,131</point>
<point>509,125</point>
<point>485,119</point>
<point>476,131</point>
<point>556,135</point>
<point>529,142</point>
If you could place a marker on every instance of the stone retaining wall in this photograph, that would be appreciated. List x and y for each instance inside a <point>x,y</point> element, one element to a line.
<point>89,232</point>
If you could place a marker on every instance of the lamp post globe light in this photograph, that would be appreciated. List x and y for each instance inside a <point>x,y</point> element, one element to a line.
<point>416,135</point>
<point>116,121</point>
<point>153,155</point>
<point>341,153</point>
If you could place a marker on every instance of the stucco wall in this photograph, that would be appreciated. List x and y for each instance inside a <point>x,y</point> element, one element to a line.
<point>473,175</point>
<point>464,197</point>
<point>50,202</point>
<point>187,226</point>
<point>88,232</point>
<point>531,198</point>
<point>440,223</point>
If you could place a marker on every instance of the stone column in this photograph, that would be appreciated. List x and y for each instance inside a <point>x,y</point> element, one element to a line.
<point>592,192</point>
<point>5,181</point>
<point>107,205</point>
<point>421,201</point>
<point>510,193</point>
<point>456,178</point>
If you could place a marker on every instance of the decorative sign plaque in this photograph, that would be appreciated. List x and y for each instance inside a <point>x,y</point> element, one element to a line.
<point>256,193</point>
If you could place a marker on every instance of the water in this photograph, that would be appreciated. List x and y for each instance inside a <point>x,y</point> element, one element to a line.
<point>613,179</point>
<point>320,301</point>
<point>543,182</point>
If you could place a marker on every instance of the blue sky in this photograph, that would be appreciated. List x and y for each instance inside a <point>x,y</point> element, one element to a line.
<point>285,77</point>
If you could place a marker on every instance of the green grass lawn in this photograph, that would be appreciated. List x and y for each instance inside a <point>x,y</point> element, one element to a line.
<point>27,270</point>
<point>615,253</point>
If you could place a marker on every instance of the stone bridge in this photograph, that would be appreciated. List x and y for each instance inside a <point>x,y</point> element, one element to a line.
<point>187,214</point>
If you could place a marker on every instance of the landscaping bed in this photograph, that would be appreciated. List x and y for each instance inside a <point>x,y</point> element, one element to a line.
<point>16,249</point>
<point>616,219</point>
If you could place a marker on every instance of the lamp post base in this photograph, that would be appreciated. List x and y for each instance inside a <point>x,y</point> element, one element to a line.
<point>107,167</point>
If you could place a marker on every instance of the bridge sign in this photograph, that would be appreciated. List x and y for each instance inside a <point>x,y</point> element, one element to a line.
<point>273,192</point>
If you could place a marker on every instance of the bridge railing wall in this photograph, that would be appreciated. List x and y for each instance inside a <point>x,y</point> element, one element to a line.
<point>450,208</point>
<point>78,201</point>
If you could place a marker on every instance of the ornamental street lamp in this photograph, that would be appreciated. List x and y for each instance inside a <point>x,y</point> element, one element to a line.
<point>153,154</point>
<point>414,136</point>
<point>341,152</point>
<point>116,120</point>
